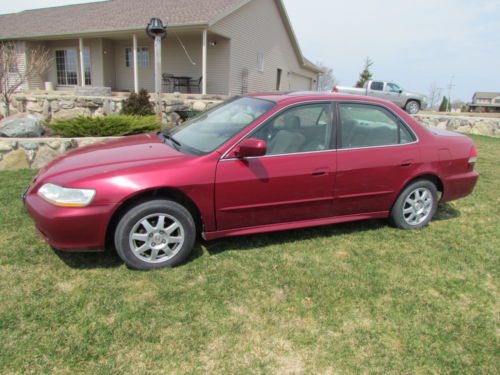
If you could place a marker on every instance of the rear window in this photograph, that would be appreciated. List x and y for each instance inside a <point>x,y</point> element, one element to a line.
<point>377,86</point>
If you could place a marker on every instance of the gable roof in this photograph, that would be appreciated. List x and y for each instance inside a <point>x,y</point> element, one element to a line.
<point>111,15</point>
<point>486,95</point>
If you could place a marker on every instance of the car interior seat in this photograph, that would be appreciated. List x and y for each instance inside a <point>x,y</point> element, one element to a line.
<point>289,139</point>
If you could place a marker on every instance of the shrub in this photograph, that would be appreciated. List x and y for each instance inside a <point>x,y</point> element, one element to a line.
<point>116,125</point>
<point>138,104</point>
<point>445,105</point>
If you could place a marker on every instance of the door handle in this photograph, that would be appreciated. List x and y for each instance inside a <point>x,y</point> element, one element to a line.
<point>407,163</point>
<point>320,172</point>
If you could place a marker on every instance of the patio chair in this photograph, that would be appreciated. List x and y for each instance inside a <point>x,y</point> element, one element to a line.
<point>167,82</point>
<point>196,83</point>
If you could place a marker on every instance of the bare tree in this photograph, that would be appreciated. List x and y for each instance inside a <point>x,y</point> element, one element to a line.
<point>434,95</point>
<point>14,72</point>
<point>326,79</point>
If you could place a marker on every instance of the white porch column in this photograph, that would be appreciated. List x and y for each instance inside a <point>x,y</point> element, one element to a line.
<point>136,67</point>
<point>82,62</point>
<point>204,64</point>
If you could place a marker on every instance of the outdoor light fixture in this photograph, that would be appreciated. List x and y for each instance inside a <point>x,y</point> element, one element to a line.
<point>156,28</point>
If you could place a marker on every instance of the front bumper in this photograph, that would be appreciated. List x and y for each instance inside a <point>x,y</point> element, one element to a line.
<point>69,229</point>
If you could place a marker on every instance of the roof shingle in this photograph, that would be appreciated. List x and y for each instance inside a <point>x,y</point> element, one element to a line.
<point>109,16</point>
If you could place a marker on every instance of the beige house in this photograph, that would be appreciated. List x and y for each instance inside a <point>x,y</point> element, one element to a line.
<point>485,102</point>
<point>233,46</point>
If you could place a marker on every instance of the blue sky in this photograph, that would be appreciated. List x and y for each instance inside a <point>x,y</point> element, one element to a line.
<point>412,43</point>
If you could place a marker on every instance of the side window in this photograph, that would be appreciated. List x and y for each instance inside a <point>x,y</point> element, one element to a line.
<point>377,86</point>
<point>300,129</point>
<point>368,126</point>
<point>392,87</point>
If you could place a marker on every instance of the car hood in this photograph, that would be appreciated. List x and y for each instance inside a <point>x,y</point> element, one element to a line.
<point>112,155</point>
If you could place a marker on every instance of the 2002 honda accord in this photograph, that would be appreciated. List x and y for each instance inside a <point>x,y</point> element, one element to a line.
<point>257,163</point>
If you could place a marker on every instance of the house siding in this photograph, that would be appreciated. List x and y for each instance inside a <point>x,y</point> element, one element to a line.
<point>35,82</point>
<point>257,28</point>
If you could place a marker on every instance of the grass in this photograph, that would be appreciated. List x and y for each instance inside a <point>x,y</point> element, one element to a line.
<point>354,298</point>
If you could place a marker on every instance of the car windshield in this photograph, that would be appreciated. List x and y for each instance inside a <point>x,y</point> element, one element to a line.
<point>208,131</point>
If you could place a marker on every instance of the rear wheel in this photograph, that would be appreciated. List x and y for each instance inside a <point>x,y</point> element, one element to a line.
<point>155,234</point>
<point>415,206</point>
<point>412,107</point>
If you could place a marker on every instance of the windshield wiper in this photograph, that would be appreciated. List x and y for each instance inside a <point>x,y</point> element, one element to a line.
<point>168,137</point>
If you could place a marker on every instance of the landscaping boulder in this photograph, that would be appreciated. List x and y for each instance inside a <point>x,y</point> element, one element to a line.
<point>14,161</point>
<point>44,156</point>
<point>21,126</point>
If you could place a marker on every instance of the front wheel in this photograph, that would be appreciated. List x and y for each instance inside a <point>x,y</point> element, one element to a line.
<point>415,206</point>
<point>155,234</point>
<point>412,107</point>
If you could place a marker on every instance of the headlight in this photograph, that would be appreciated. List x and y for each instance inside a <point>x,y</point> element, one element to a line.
<point>66,197</point>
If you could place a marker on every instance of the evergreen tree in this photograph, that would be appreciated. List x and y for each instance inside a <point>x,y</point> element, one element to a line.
<point>445,105</point>
<point>138,104</point>
<point>366,74</point>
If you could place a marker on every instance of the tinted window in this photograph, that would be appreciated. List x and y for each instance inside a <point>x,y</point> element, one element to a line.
<point>378,86</point>
<point>369,126</point>
<point>300,129</point>
<point>215,127</point>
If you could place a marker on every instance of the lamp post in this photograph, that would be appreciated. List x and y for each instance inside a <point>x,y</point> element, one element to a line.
<point>157,31</point>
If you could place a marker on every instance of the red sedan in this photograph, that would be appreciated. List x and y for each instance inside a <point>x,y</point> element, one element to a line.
<point>257,163</point>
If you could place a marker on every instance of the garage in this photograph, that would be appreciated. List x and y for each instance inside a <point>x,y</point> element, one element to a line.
<point>299,82</point>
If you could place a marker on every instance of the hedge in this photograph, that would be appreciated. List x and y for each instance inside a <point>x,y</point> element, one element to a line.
<point>115,125</point>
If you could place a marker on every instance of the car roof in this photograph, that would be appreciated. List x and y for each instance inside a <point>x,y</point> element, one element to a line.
<point>298,96</point>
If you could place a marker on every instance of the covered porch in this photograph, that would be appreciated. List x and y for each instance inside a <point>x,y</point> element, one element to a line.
<point>193,60</point>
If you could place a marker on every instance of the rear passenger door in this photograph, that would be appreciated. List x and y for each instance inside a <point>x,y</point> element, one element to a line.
<point>377,89</point>
<point>377,152</point>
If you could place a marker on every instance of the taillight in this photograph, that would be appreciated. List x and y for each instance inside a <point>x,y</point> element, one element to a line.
<point>473,156</point>
<point>335,89</point>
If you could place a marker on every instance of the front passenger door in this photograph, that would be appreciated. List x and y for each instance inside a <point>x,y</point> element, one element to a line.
<point>294,181</point>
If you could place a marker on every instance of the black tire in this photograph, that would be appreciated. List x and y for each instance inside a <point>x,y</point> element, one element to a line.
<point>412,107</point>
<point>400,219</point>
<point>136,214</point>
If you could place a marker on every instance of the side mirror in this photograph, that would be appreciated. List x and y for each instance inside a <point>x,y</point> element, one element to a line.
<point>400,91</point>
<point>250,147</point>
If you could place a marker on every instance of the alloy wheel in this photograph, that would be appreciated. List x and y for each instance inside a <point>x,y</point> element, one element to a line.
<point>156,238</point>
<point>418,206</point>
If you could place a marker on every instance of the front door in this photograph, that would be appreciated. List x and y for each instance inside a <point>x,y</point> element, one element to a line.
<point>294,181</point>
<point>377,154</point>
<point>394,93</point>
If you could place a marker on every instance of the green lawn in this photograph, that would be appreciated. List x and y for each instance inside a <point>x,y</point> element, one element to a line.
<point>354,298</point>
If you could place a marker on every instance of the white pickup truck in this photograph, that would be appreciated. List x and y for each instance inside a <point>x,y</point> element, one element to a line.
<point>409,101</point>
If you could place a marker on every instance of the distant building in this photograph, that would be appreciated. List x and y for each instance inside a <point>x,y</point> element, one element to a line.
<point>485,102</point>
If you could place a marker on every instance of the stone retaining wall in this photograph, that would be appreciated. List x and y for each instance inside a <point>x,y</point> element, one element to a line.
<point>61,105</point>
<point>35,153</point>
<point>463,124</point>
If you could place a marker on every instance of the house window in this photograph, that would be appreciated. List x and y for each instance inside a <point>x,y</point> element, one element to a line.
<point>87,66</point>
<point>142,57</point>
<point>66,67</point>
<point>260,62</point>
